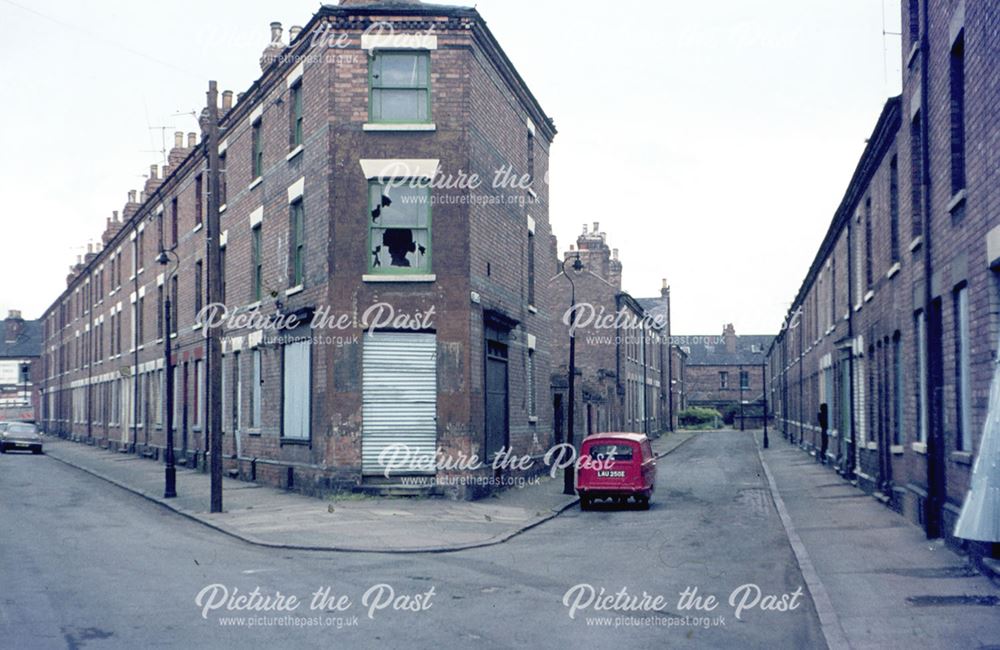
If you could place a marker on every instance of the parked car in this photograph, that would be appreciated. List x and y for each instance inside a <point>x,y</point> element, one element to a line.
<point>616,466</point>
<point>19,436</point>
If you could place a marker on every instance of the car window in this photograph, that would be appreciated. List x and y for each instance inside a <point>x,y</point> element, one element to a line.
<point>611,452</point>
<point>21,428</point>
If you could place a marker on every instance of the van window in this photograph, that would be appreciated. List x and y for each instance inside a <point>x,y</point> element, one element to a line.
<point>611,452</point>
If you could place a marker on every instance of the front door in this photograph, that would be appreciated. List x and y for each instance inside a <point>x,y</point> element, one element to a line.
<point>496,398</point>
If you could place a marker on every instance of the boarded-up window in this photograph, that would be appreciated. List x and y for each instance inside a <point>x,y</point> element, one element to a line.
<point>297,391</point>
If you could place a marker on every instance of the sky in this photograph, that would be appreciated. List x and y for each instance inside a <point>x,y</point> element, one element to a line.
<point>712,141</point>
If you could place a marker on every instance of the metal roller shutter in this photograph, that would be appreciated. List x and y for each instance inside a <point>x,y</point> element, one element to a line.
<point>399,399</point>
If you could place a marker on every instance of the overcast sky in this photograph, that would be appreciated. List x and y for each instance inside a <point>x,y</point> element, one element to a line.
<point>711,140</point>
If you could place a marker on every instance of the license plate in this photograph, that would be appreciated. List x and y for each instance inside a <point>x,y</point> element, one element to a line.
<point>23,444</point>
<point>611,473</point>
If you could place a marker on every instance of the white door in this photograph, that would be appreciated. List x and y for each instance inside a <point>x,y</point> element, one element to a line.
<point>399,401</point>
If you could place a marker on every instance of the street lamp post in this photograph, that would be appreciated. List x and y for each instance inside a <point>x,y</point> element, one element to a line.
<point>170,471</point>
<point>741,400</point>
<point>569,474</point>
<point>763,380</point>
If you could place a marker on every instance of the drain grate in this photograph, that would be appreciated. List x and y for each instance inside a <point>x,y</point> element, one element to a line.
<point>945,601</point>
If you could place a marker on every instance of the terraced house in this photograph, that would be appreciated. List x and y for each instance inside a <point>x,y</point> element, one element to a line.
<point>345,201</point>
<point>896,324</point>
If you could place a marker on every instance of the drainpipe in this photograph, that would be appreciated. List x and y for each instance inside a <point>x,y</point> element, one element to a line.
<point>936,492</point>
<point>852,445</point>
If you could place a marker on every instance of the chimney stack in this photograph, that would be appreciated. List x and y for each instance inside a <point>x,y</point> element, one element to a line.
<point>293,33</point>
<point>274,48</point>
<point>13,326</point>
<point>179,139</point>
<point>227,100</point>
<point>192,140</point>
<point>131,198</point>
<point>597,226</point>
<point>729,334</point>
<point>152,172</point>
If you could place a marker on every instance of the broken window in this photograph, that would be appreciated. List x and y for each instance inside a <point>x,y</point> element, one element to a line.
<point>400,87</point>
<point>399,227</point>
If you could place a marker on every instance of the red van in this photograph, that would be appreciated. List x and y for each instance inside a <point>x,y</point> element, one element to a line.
<point>616,466</point>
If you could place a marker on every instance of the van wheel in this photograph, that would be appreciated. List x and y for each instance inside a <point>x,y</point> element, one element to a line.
<point>586,503</point>
<point>642,502</point>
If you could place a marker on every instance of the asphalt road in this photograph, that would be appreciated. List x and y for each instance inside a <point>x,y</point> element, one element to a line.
<point>84,564</point>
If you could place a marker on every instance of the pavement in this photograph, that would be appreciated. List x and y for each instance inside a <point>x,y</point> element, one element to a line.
<point>876,579</point>
<point>272,517</point>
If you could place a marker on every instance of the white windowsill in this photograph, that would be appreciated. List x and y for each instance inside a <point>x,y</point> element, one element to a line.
<point>913,54</point>
<point>291,291</point>
<point>893,270</point>
<point>532,419</point>
<point>872,445</point>
<point>368,277</point>
<point>956,200</point>
<point>255,182</point>
<point>294,152</point>
<point>915,244</point>
<point>869,295</point>
<point>196,326</point>
<point>532,309</point>
<point>414,126</point>
<point>896,449</point>
<point>198,227</point>
<point>919,447</point>
<point>222,208</point>
<point>532,193</point>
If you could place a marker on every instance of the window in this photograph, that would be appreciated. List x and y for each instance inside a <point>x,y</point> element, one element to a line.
<point>531,268</point>
<point>529,381</point>
<point>897,390</point>
<point>869,263</point>
<point>173,304</point>
<point>400,87</point>
<point>255,391</point>
<point>957,85</point>
<point>224,385</point>
<point>399,228</point>
<point>744,380</point>
<point>159,397</point>
<point>140,244</point>
<point>531,157</point>
<point>914,15</point>
<point>833,290</point>
<point>222,273</point>
<point>298,243</point>
<point>222,178</point>
<point>159,312</point>
<point>921,392</point>
<point>295,117</point>
<point>894,210</point>
<point>198,214</point>
<point>173,222</point>
<point>257,152</point>
<point>197,289</point>
<point>962,383</point>
<point>723,379</point>
<point>238,401</point>
<point>297,391</point>
<point>257,279</point>
<point>916,175</point>
<point>139,333</point>
<point>199,395</point>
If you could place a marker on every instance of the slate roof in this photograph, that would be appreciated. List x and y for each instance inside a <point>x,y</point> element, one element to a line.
<point>27,345</point>
<point>711,350</point>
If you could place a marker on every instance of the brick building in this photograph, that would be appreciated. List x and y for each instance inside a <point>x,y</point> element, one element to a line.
<point>896,324</point>
<point>621,345</point>
<point>346,203</point>
<point>725,372</point>
<point>20,372</point>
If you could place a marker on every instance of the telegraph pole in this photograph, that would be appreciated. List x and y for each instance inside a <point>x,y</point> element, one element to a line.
<point>210,128</point>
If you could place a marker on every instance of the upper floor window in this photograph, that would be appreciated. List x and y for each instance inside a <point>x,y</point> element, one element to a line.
<point>957,114</point>
<point>399,227</point>
<point>297,238</point>
<point>257,262</point>
<point>400,87</point>
<point>744,379</point>
<point>295,117</point>
<point>723,379</point>
<point>257,152</point>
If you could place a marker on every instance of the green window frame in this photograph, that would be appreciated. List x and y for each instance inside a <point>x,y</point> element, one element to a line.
<point>399,84</point>
<point>298,241</point>
<point>295,124</point>
<point>256,281</point>
<point>399,227</point>
<point>257,154</point>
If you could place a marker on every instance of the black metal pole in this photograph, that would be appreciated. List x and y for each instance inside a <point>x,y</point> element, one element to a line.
<point>170,472</point>
<point>741,399</point>
<point>569,475</point>
<point>214,365</point>
<point>763,380</point>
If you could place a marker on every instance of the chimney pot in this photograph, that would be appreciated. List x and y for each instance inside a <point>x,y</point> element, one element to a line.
<point>192,140</point>
<point>114,216</point>
<point>152,172</point>
<point>142,197</point>
<point>131,197</point>
<point>239,97</point>
<point>293,32</point>
<point>597,226</point>
<point>90,249</point>
<point>276,33</point>
<point>665,285</point>
<point>614,254</point>
<point>227,99</point>
<point>179,139</point>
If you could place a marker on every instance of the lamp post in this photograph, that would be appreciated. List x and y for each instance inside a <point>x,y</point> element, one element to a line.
<point>170,471</point>
<point>741,399</point>
<point>569,474</point>
<point>763,380</point>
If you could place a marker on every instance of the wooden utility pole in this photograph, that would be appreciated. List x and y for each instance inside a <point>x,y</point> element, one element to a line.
<point>210,128</point>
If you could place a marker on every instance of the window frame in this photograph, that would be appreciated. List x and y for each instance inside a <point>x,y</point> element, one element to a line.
<point>297,228</point>
<point>372,62</point>
<point>399,270</point>
<point>296,113</point>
